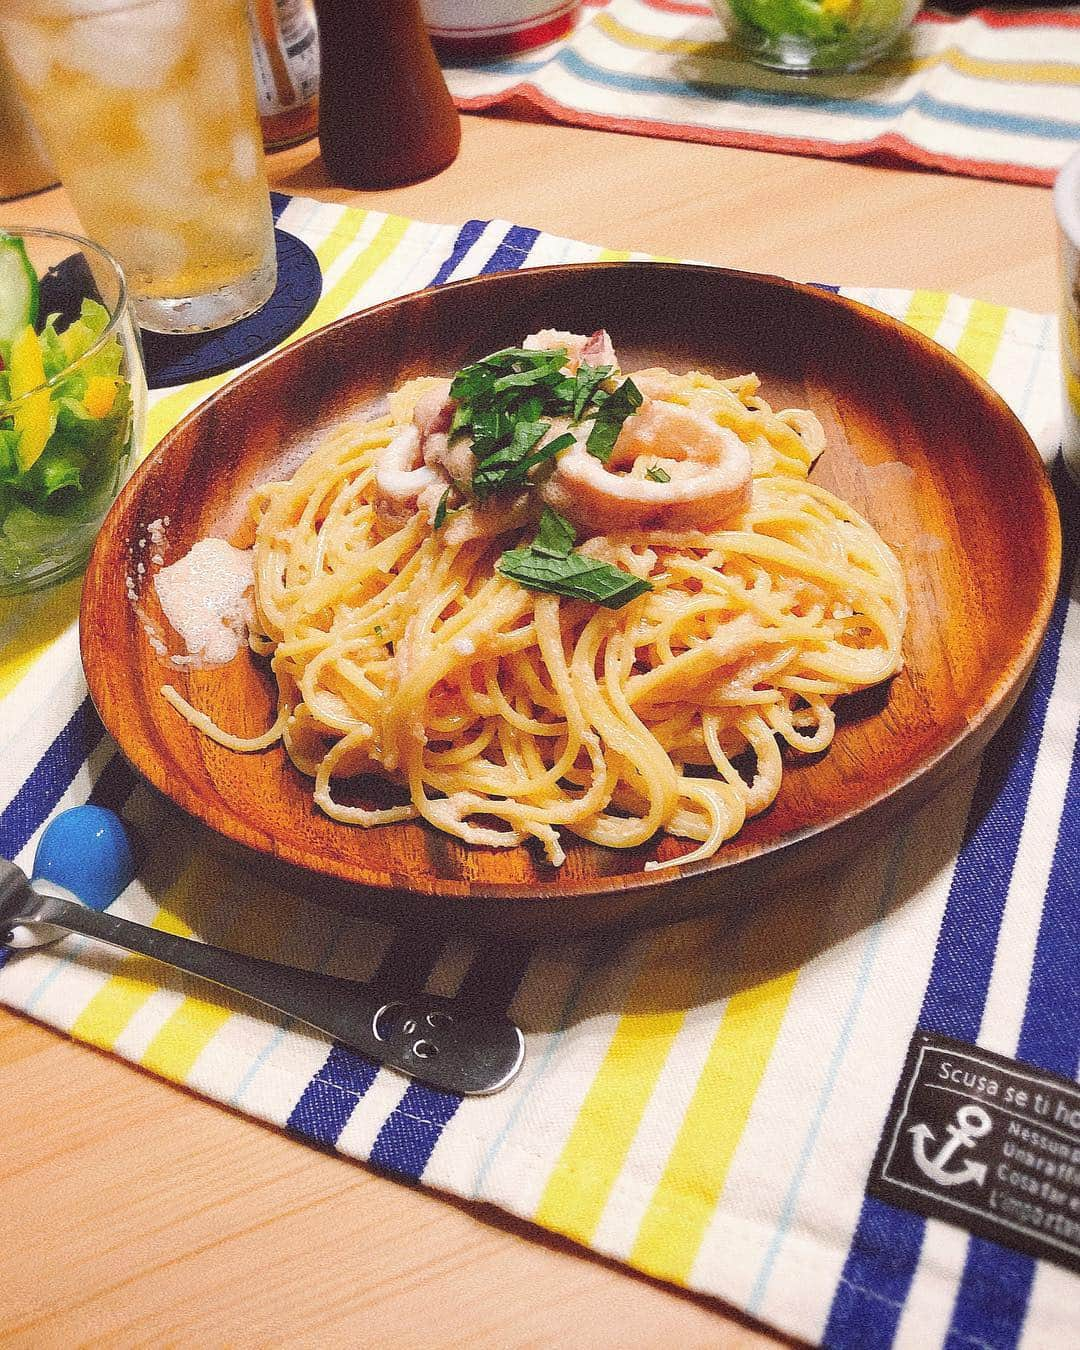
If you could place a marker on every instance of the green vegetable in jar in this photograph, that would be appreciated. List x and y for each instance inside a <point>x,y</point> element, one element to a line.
<point>65,426</point>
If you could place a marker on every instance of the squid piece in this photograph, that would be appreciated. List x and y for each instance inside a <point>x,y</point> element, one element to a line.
<point>706,466</point>
<point>432,416</point>
<point>401,476</point>
<point>592,350</point>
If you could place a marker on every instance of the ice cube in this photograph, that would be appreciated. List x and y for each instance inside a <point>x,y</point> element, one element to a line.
<point>132,50</point>
<point>245,155</point>
<point>145,191</point>
<point>218,84</point>
<point>148,249</point>
<point>165,124</point>
<point>108,183</point>
<point>29,49</point>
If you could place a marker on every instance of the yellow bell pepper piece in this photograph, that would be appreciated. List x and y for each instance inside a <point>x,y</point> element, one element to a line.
<point>33,418</point>
<point>837,7</point>
<point>27,363</point>
<point>100,395</point>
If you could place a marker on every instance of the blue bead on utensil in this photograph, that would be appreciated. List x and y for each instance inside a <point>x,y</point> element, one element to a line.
<point>87,851</point>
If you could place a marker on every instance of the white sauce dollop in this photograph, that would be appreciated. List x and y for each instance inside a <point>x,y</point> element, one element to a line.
<point>207,597</point>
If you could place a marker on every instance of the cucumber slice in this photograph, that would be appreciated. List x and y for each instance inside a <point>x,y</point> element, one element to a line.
<point>18,288</point>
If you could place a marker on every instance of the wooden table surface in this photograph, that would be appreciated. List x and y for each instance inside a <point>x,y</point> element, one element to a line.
<point>135,1213</point>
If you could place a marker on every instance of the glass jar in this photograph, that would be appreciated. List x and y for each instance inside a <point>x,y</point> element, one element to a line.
<point>72,399</point>
<point>816,36</point>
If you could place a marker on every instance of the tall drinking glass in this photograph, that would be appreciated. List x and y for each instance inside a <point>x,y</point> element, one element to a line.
<point>148,111</point>
<point>23,166</point>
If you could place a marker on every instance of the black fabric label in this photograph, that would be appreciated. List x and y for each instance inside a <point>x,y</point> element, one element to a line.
<point>987,1143</point>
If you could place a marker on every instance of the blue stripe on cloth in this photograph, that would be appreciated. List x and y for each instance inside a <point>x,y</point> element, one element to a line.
<point>1044,128</point>
<point>330,1098</point>
<point>876,1279</point>
<point>512,252</point>
<point>50,779</point>
<point>885,1247</point>
<point>412,1129</point>
<point>515,66</point>
<point>469,233</point>
<point>1050,1036</point>
<point>112,789</point>
<point>992,1301</point>
<point>410,1132</point>
<point>278,202</point>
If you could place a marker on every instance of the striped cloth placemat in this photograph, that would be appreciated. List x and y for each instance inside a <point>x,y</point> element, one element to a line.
<point>995,94</point>
<point>702,1102</point>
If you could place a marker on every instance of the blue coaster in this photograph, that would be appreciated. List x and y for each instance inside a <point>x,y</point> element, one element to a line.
<point>182,357</point>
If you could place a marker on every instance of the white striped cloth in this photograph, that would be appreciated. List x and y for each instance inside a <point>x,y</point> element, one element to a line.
<point>701,1102</point>
<point>995,94</point>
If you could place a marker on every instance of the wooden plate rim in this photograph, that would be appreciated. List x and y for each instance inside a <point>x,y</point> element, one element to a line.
<point>1007,682</point>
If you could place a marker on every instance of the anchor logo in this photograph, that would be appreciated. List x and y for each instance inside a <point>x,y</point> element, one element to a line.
<point>972,1122</point>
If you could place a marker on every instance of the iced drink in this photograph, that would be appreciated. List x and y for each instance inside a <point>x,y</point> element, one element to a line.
<point>149,114</point>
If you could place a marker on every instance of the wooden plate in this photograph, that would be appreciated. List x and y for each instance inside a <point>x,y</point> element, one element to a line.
<point>917,443</point>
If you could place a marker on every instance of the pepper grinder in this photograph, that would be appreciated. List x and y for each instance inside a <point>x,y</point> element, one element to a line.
<point>385,113</point>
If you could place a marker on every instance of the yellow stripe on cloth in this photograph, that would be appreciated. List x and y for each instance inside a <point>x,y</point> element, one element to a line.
<point>982,336</point>
<point>30,624</point>
<point>189,1029</point>
<point>118,1000</point>
<point>985,68</point>
<point>684,1202</point>
<point>647,42</point>
<point>1072,390</point>
<point>1070,338</point>
<point>336,300</point>
<point>925,311</point>
<point>593,1155</point>
<point>982,333</point>
<point>183,1037</point>
<point>167,411</point>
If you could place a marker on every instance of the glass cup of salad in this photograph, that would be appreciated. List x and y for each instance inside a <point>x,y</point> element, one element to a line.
<point>72,398</point>
<point>816,36</point>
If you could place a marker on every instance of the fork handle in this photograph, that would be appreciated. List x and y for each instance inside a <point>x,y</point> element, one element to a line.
<point>437,1040</point>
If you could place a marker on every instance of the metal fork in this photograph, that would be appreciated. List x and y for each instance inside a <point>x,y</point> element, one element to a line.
<point>437,1040</point>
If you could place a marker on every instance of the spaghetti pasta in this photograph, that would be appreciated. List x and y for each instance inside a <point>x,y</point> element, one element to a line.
<point>510,712</point>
